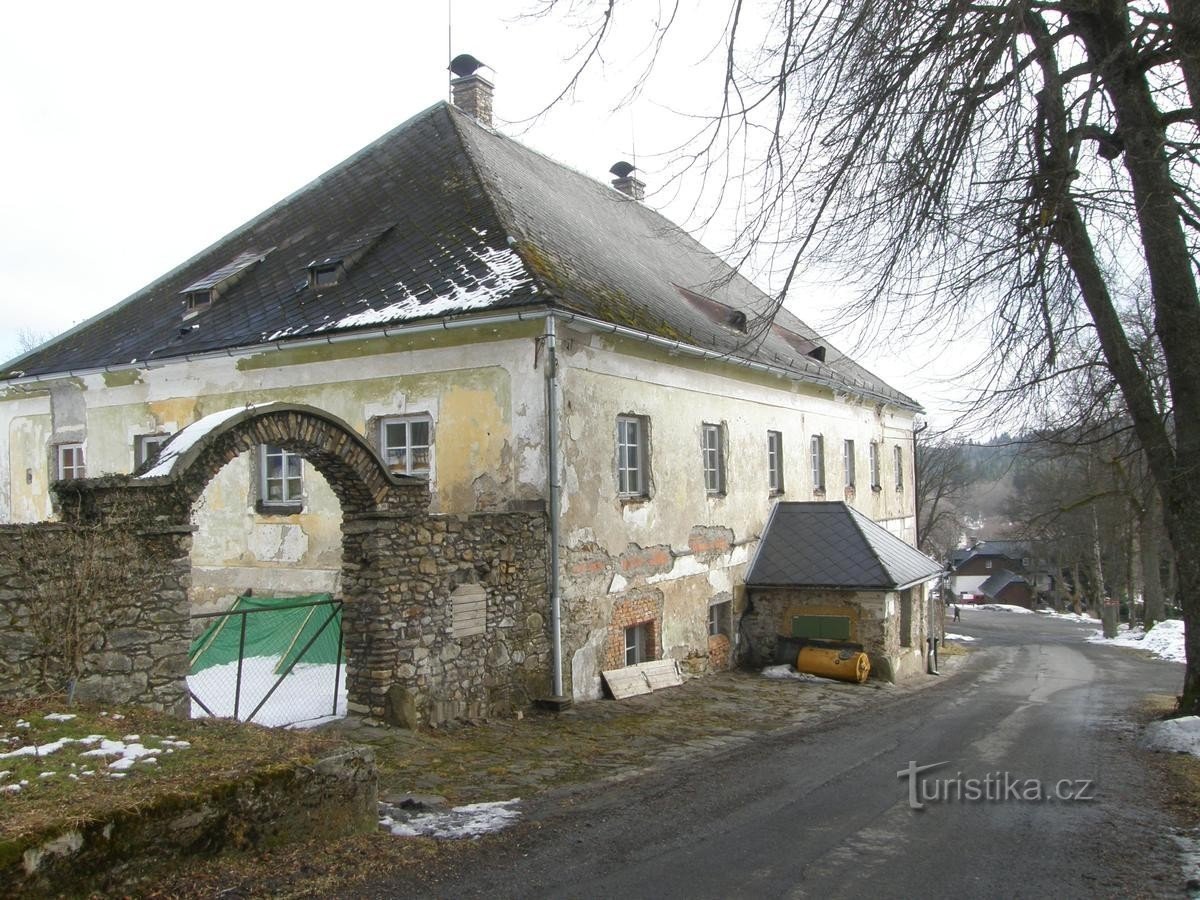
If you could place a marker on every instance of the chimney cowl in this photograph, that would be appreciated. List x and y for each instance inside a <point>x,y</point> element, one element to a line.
<point>470,91</point>
<point>626,182</point>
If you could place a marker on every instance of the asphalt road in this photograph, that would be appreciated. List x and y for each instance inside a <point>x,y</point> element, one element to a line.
<point>825,814</point>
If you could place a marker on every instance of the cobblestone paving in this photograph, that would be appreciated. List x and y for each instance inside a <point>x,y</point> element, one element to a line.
<point>506,758</point>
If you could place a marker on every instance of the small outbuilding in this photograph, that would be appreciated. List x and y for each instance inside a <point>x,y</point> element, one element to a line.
<point>824,570</point>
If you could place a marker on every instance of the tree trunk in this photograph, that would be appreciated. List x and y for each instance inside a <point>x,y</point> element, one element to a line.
<point>1150,529</point>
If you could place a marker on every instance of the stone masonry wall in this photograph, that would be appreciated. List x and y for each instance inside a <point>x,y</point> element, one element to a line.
<point>141,658</point>
<point>770,611</point>
<point>404,662</point>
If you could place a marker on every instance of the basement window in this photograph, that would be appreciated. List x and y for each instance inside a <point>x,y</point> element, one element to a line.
<point>281,480</point>
<point>817,451</point>
<point>406,445</point>
<point>720,619</point>
<point>69,458</point>
<point>775,462</point>
<point>146,446</point>
<point>714,459</point>
<point>638,643</point>
<point>633,456</point>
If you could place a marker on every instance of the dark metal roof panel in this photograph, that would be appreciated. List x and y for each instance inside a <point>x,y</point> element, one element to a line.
<point>830,545</point>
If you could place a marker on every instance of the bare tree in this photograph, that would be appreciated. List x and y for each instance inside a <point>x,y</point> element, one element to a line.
<point>942,479</point>
<point>1034,160</point>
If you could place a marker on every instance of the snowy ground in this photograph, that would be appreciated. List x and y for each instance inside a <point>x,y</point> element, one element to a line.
<point>460,822</point>
<point>787,673</point>
<point>1001,607</point>
<point>85,757</point>
<point>959,637</point>
<point>1164,640</point>
<point>302,700</point>
<point>1180,735</point>
<point>1082,618</point>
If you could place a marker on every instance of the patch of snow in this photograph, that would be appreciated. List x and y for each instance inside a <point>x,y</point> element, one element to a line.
<point>1164,640</point>
<point>303,699</point>
<point>11,788</point>
<point>505,274</point>
<point>131,738</point>
<point>188,437</point>
<point>786,673</point>
<point>59,717</point>
<point>471,820</point>
<point>47,774</point>
<point>959,637</point>
<point>1003,607</point>
<point>1070,617</point>
<point>47,749</point>
<point>1180,735</point>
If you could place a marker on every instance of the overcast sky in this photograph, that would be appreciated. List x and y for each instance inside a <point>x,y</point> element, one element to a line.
<point>138,133</point>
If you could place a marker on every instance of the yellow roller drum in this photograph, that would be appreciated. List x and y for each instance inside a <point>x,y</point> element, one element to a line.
<point>844,665</point>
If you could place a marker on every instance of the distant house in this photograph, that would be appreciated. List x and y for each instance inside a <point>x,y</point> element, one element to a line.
<point>1010,588</point>
<point>972,566</point>
<point>526,340</point>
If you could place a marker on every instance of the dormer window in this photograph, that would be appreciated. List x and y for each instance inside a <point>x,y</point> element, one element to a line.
<point>199,295</point>
<point>325,275</point>
<point>195,301</point>
<point>329,269</point>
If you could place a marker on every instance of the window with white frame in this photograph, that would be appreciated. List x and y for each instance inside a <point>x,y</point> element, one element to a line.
<point>898,461</point>
<point>848,462</point>
<point>406,444</point>
<point>817,451</point>
<point>281,477</point>
<point>633,457</point>
<point>637,643</point>
<point>713,453</point>
<point>874,461</point>
<point>146,446</point>
<point>775,462</point>
<point>70,461</point>
<point>720,619</point>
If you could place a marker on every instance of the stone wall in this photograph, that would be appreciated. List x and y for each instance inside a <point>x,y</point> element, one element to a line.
<point>404,660</point>
<point>139,654</point>
<point>770,611</point>
<point>333,797</point>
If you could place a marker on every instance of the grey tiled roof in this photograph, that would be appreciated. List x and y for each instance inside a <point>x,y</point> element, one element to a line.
<point>832,545</point>
<point>456,218</point>
<point>998,581</point>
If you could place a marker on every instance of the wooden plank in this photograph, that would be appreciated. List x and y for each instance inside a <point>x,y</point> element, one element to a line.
<point>643,678</point>
<point>662,673</point>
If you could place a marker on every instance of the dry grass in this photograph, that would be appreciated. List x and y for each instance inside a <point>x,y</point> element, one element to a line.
<point>220,752</point>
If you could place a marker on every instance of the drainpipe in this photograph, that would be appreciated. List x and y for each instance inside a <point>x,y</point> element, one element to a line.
<point>555,487</point>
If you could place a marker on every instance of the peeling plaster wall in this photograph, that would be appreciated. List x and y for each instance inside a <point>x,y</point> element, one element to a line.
<point>688,547</point>
<point>487,407</point>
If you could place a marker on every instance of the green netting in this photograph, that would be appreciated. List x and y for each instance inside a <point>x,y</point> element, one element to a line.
<point>274,632</point>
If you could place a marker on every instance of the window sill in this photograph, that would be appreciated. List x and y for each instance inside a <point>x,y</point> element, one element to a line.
<point>632,499</point>
<point>775,493</point>
<point>278,509</point>
<point>877,488</point>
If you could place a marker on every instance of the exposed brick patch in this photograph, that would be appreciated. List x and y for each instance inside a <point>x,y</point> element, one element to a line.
<point>719,657</point>
<point>710,540</point>
<point>645,561</point>
<point>634,609</point>
<point>585,560</point>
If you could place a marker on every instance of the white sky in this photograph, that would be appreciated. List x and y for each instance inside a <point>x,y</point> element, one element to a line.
<point>137,133</point>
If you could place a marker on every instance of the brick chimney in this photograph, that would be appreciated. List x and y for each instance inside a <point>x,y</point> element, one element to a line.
<point>626,182</point>
<point>470,91</point>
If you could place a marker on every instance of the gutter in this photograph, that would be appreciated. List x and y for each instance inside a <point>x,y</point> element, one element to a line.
<point>454,324</point>
<point>554,485</point>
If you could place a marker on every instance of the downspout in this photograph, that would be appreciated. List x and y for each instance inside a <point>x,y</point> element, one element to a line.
<point>555,487</point>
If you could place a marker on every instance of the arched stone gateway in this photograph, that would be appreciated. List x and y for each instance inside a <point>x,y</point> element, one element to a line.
<point>409,659</point>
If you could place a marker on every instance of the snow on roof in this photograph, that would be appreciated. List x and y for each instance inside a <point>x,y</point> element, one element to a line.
<point>183,440</point>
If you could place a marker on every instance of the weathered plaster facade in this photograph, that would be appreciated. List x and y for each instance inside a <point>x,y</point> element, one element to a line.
<point>668,556</point>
